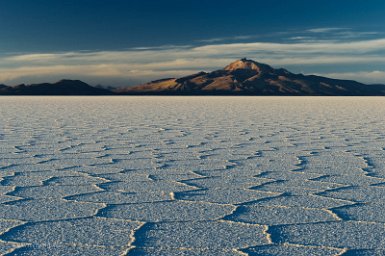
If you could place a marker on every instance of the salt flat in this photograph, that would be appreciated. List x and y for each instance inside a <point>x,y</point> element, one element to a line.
<point>192,176</point>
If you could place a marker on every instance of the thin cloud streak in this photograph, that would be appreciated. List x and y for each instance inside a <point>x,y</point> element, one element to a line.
<point>326,30</point>
<point>230,38</point>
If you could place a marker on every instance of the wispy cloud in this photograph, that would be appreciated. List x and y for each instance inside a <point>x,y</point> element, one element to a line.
<point>230,38</point>
<point>356,34</point>
<point>334,33</point>
<point>144,64</point>
<point>325,30</point>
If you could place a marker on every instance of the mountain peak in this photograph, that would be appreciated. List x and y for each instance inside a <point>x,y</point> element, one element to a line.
<point>247,64</point>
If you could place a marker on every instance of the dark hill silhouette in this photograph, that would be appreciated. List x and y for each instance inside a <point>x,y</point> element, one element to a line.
<point>63,87</point>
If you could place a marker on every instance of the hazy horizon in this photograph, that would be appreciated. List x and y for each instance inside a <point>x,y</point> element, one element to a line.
<point>123,83</point>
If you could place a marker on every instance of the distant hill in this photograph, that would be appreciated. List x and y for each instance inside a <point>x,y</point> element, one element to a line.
<point>63,87</point>
<point>242,77</point>
<point>247,77</point>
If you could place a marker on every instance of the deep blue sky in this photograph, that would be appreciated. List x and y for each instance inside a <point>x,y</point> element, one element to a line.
<point>62,26</point>
<point>42,25</point>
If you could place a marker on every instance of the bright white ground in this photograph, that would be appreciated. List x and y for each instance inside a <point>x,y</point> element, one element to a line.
<point>192,176</point>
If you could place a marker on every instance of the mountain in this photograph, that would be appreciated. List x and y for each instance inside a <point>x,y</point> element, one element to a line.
<point>63,87</point>
<point>242,77</point>
<point>247,77</point>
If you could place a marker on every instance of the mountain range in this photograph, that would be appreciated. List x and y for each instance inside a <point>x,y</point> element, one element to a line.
<point>242,77</point>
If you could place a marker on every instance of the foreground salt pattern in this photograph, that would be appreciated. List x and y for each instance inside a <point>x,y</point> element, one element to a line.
<point>192,176</point>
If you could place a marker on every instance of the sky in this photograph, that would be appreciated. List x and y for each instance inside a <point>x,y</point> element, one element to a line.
<point>128,42</point>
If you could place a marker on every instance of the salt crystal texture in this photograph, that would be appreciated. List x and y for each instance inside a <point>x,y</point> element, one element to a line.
<point>192,175</point>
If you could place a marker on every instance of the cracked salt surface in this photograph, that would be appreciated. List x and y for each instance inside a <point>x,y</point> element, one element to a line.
<point>192,176</point>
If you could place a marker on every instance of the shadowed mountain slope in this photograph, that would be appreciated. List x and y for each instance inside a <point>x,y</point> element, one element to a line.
<point>247,77</point>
